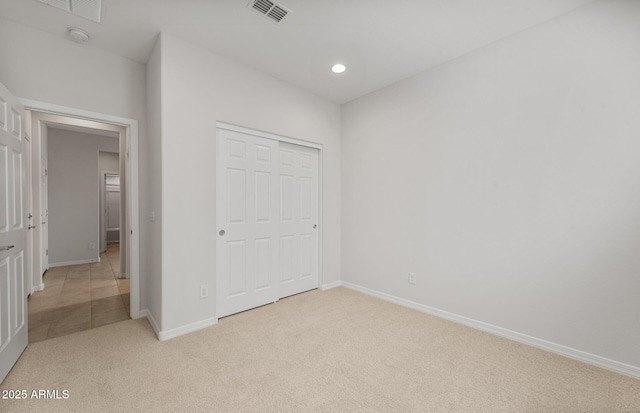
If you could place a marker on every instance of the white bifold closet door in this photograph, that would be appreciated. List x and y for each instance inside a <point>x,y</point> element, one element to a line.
<point>298,219</point>
<point>267,214</point>
<point>247,217</point>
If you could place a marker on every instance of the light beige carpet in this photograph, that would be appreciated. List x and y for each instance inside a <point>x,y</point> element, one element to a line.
<point>333,351</point>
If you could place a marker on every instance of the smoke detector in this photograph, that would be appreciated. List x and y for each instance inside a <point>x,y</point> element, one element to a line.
<point>78,35</point>
<point>269,9</point>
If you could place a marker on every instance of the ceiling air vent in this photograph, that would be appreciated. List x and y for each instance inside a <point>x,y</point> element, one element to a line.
<point>89,9</point>
<point>273,11</point>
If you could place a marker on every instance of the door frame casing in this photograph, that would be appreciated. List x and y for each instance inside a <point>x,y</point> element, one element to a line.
<point>131,158</point>
<point>29,238</point>
<point>295,141</point>
<point>42,167</point>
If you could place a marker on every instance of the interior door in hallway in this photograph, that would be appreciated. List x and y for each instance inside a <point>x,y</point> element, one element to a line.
<point>13,295</point>
<point>298,219</point>
<point>247,221</point>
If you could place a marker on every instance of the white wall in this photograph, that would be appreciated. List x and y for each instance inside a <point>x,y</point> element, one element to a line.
<point>508,180</point>
<point>198,89</point>
<point>49,69</point>
<point>74,194</point>
<point>44,67</point>
<point>108,161</point>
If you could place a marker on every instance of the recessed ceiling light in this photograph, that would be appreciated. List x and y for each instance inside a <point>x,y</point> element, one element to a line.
<point>338,68</point>
<point>78,35</point>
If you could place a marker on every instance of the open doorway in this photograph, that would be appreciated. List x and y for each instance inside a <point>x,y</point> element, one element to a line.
<point>82,279</point>
<point>109,201</point>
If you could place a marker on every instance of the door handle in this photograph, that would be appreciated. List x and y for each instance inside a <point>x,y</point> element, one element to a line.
<point>6,247</point>
<point>222,232</point>
<point>31,227</point>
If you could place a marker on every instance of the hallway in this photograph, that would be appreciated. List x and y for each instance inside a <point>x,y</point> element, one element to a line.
<point>79,297</point>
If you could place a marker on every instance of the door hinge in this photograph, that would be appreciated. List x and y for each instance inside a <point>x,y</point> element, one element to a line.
<point>47,254</point>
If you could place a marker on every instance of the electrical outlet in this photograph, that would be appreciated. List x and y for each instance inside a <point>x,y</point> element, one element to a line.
<point>412,278</point>
<point>92,245</point>
<point>204,290</point>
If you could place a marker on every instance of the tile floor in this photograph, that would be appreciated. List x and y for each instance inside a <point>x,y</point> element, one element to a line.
<point>79,297</point>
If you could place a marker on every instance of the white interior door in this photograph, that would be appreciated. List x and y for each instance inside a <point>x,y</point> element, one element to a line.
<point>267,210</point>
<point>298,219</point>
<point>247,220</point>
<point>13,298</point>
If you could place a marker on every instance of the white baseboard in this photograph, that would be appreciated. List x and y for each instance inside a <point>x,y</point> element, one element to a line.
<point>186,329</point>
<point>618,367</point>
<point>325,287</point>
<point>176,332</point>
<point>146,313</point>
<point>64,264</point>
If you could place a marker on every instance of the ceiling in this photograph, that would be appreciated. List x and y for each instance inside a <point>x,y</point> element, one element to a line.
<point>380,42</point>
